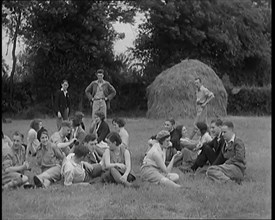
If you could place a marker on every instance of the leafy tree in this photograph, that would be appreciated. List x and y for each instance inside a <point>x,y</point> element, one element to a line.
<point>231,36</point>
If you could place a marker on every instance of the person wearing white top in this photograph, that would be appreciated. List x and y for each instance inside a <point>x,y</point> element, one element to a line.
<point>154,169</point>
<point>32,141</point>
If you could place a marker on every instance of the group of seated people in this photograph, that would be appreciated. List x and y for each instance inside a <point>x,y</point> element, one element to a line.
<point>74,155</point>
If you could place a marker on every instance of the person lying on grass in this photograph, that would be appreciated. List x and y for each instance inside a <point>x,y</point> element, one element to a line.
<point>14,164</point>
<point>76,171</point>
<point>154,169</point>
<point>116,162</point>
<point>49,157</point>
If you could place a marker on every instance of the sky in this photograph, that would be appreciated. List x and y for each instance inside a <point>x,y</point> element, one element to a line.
<point>120,46</point>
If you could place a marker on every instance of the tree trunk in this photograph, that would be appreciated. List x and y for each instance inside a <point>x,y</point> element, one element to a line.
<point>18,22</point>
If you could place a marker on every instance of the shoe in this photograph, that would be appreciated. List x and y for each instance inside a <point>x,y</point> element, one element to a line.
<point>37,182</point>
<point>28,186</point>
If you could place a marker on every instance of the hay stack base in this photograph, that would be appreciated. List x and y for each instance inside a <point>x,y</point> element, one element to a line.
<point>172,94</point>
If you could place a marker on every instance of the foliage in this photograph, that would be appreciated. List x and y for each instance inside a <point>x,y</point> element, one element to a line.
<point>250,101</point>
<point>232,37</point>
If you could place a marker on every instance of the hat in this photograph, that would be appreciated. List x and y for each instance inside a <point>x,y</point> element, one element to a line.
<point>162,134</point>
<point>100,71</point>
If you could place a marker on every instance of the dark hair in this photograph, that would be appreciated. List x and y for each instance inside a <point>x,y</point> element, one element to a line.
<point>171,120</point>
<point>114,137</point>
<point>80,150</point>
<point>120,122</point>
<point>161,140</point>
<point>17,133</point>
<point>229,124</point>
<point>89,137</point>
<point>217,122</point>
<point>100,114</point>
<point>198,78</point>
<point>79,114</point>
<point>35,124</point>
<point>42,131</point>
<point>202,127</point>
<point>64,80</point>
<point>76,121</point>
<point>101,71</point>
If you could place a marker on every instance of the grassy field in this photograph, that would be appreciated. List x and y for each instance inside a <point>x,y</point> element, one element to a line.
<point>205,199</point>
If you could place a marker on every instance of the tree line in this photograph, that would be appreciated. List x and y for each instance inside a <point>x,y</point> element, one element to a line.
<point>71,39</point>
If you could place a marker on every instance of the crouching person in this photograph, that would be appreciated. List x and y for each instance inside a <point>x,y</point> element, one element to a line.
<point>116,162</point>
<point>49,158</point>
<point>13,163</point>
<point>230,165</point>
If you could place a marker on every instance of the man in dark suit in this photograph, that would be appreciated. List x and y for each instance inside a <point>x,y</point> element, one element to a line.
<point>62,103</point>
<point>233,152</point>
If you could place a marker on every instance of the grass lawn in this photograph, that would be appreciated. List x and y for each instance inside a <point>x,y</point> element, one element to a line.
<point>205,199</point>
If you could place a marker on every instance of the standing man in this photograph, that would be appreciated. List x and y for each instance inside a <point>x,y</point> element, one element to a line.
<point>62,104</point>
<point>203,96</point>
<point>99,93</point>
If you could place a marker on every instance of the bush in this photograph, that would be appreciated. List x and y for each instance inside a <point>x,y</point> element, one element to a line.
<point>249,101</point>
<point>36,111</point>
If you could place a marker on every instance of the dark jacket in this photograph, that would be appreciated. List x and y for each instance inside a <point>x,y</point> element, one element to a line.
<point>216,145</point>
<point>62,102</point>
<point>234,153</point>
<point>102,131</point>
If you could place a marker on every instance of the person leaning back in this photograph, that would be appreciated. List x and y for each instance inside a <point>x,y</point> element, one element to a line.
<point>99,93</point>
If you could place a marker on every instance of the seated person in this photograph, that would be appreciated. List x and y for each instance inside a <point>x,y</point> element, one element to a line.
<point>77,131</point>
<point>230,165</point>
<point>210,150</point>
<point>154,169</point>
<point>60,139</point>
<point>32,141</point>
<point>49,158</point>
<point>116,162</point>
<point>76,171</point>
<point>101,129</point>
<point>6,140</point>
<point>191,151</point>
<point>90,142</point>
<point>79,115</point>
<point>175,135</point>
<point>119,125</point>
<point>13,162</point>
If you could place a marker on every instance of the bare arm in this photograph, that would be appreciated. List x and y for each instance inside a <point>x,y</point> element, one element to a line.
<point>107,161</point>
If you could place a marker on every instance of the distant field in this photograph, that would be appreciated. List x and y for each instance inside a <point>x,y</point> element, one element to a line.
<point>205,199</point>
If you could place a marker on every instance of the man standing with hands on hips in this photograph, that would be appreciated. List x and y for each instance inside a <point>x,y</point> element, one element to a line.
<point>99,93</point>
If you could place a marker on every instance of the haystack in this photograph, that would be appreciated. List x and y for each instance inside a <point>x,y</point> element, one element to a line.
<point>172,94</point>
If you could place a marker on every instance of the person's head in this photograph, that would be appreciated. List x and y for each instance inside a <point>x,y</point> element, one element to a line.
<point>100,74</point>
<point>80,151</point>
<point>184,132</point>
<point>36,124</point>
<point>99,116</point>
<point>198,82</point>
<point>79,115</point>
<point>163,137</point>
<point>113,140</point>
<point>227,130</point>
<point>76,122</point>
<point>215,127</point>
<point>65,84</point>
<point>65,127</point>
<point>90,141</point>
<point>202,127</point>
<point>43,136</point>
<point>118,123</point>
<point>17,140</point>
<point>169,124</point>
